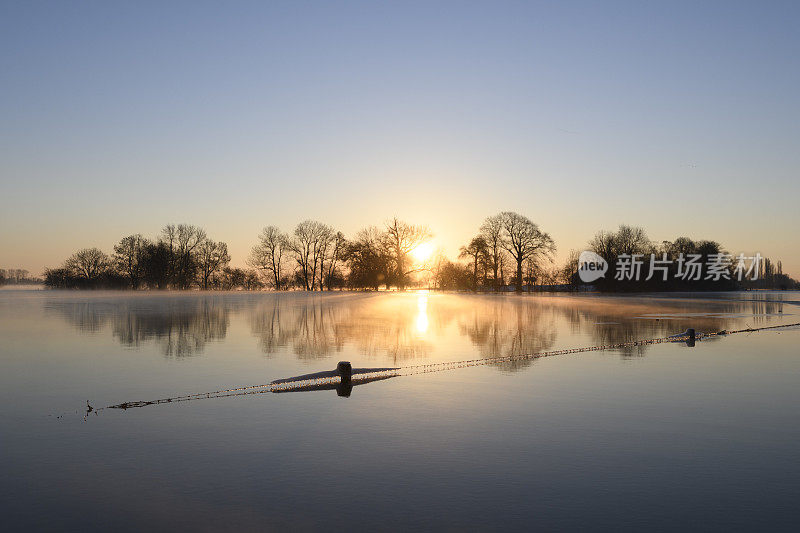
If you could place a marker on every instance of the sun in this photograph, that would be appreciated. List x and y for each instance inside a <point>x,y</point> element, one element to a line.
<point>422,252</point>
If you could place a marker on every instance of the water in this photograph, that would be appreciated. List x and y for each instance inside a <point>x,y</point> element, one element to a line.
<point>656,437</point>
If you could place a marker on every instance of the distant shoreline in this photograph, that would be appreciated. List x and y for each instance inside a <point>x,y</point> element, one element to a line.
<point>43,287</point>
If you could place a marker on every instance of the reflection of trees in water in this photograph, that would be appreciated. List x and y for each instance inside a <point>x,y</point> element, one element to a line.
<point>181,332</point>
<point>306,323</point>
<point>614,320</point>
<point>89,316</point>
<point>397,325</point>
<point>314,326</point>
<point>510,326</point>
<point>405,326</point>
<point>265,323</point>
<point>314,329</point>
<point>182,326</point>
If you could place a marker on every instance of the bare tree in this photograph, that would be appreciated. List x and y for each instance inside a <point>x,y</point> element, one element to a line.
<point>568,272</point>
<point>632,240</point>
<point>212,257</point>
<point>231,278</point>
<point>169,237</point>
<point>268,255</point>
<point>524,240</point>
<point>367,260</point>
<point>20,275</point>
<point>157,261</point>
<point>492,232</point>
<point>182,241</point>
<point>399,240</point>
<point>89,263</point>
<point>307,245</point>
<point>533,272</point>
<point>129,257</point>
<point>331,255</point>
<point>603,244</point>
<point>476,250</point>
<point>629,240</point>
<point>252,281</point>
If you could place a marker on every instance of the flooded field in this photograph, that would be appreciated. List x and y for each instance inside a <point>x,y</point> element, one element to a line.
<point>640,437</point>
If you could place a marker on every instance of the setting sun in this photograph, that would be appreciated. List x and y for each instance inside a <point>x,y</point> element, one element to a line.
<point>423,252</point>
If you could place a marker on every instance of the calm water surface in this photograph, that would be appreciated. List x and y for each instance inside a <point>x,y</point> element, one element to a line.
<point>659,437</point>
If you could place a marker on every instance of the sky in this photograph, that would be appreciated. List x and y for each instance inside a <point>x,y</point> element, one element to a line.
<point>118,118</point>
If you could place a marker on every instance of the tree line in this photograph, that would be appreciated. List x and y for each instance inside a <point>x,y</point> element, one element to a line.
<point>667,261</point>
<point>511,252</point>
<point>314,256</point>
<point>509,247</point>
<point>508,252</point>
<point>181,257</point>
<point>17,276</point>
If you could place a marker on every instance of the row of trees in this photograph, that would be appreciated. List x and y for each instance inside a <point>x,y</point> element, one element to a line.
<point>317,257</point>
<point>667,260</point>
<point>314,256</point>
<point>506,242</point>
<point>181,257</point>
<point>17,276</point>
<point>631,240</point>
<point>771,276</point>
<point>509,251</point>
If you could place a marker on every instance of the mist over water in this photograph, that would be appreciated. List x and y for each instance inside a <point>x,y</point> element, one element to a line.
<point>661,434</point>
<point>401,326</point>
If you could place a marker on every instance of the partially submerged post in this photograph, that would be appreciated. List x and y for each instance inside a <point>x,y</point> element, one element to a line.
<point>689,336</point>
<point>348,378</point>
<point>345,370</point>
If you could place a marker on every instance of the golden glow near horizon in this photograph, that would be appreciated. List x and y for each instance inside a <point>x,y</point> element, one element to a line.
<point>423,252</point>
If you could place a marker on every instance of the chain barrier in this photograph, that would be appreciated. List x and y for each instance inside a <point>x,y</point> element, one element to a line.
<point>412,370</point>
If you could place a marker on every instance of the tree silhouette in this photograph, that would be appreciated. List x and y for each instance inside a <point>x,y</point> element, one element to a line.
<point>399,239</point>
<point>269,255</point>
<point>477,250</point>
<point>524,241</point>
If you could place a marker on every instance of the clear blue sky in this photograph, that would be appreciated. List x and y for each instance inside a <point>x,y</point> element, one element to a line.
<point>118,118</point>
